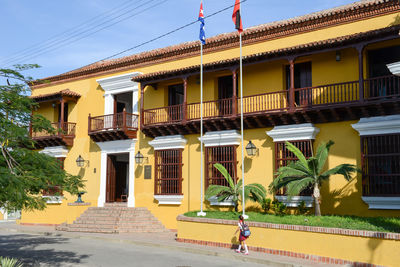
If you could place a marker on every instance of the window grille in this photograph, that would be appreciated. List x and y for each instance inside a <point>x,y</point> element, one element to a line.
<point>380,165</point>
<point>226,155</point>
<point>56,189</point>
<point>168,172</point>
<point>283,157</point>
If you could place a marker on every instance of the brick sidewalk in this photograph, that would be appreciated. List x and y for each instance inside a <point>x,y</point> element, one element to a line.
<point>162,240</point>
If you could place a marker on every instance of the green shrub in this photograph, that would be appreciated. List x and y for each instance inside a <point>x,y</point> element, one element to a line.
<point>278,207</point>
<point>9,262</point>
<point>302,209</point>
<point>266,205</point>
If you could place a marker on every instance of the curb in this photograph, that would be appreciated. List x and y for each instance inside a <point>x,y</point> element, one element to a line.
<point>200,251</point>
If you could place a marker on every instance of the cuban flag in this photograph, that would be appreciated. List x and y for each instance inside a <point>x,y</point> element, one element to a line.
<point>202,35</point>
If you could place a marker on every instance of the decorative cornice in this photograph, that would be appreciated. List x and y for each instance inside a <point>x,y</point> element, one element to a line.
<point>327,18</point>
<point>221,138</point>
<point>378,125</point>
<point>305,131</point>
<point>56,151</point>
<point>168,142</point>
<point>117,146</point>
<point>119,83</point>
<point>382,203</point>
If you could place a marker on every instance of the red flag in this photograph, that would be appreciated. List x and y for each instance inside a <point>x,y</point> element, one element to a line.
<point>236,17</point>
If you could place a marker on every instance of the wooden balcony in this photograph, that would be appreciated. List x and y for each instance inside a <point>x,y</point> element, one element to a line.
<point>64,135</point>
<point>319,104</point>
<point>112,127</point>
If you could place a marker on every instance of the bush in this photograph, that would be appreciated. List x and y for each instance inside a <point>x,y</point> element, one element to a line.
<point>9,262</point>
<point>302,209</point>
<point>278,207</point>
<point>266,205</point>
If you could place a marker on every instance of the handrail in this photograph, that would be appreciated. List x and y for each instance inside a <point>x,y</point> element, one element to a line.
<point>61,129</point>
<point>307,97</point>
<point>110,122</point>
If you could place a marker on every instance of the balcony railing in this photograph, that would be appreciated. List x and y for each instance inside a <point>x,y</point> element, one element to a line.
<point>113,122</point>
<point>62,129</point>
<point>374,89</point>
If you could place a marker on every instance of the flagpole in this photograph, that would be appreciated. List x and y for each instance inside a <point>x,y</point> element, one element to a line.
<point>201,213</point>
<point>241,125</point>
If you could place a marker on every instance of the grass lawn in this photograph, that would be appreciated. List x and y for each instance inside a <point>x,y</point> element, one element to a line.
<point>380,224</point>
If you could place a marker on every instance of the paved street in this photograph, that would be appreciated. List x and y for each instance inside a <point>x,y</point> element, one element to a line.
<point>36,250</point>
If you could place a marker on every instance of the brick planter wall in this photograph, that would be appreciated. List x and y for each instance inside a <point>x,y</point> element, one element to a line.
<point>318,244</point>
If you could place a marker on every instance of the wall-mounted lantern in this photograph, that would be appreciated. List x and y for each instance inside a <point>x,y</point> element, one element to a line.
<point>251,149</point>
<point>80,162</point>
<point>139,158</point>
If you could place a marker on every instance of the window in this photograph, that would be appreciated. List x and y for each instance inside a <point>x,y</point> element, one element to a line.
<point>168,172</point>
<point>381,165</point>
<point>226,155</point>
<point>56,189</point>
<point>283,157</point>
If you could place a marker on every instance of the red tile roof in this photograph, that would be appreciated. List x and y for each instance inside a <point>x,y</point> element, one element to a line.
<point>286,52</point>
<point>56,95</point>
<point>326,18</point>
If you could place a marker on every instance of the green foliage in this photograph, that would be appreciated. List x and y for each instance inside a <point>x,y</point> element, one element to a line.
<point>279,208</point>
<point>266,205</point>
<point>380,224</point>
<point>306,173</point>
<point>254,192</point>
<point>9,262</point>
<point>25,173</point>
<point>302,209</point>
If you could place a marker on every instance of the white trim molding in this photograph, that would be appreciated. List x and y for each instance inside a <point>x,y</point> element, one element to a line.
<point>294,201</point>
<point>119,83</point>
<point>168,142</point>
<point>169,199</point>
<point>378,125</point>
<point>221,138</point>
<point>394,68</point>
<point>305,131</point>
<point>116,147</point>
<point>55,151</point>
<point>53,199</point>
<point>382,203</point>
<point>227,202</point>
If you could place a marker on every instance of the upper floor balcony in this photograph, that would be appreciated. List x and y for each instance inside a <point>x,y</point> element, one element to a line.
<point>332,102</point>
<point>63,135</point>
<point>362,87</point>
<point>118,126</point>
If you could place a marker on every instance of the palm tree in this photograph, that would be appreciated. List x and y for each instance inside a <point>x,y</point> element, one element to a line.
<point>233,192</point>
<point>308,173</point>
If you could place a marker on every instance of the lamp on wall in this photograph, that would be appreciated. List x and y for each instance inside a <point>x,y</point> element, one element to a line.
<point>251,149</point>
<point>139,158</point>
<point>80,162</point>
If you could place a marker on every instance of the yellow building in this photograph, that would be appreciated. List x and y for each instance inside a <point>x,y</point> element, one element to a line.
<point>309,79</point>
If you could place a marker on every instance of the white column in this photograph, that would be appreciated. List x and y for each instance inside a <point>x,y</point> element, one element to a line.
<point>103,180</point>
<point>131,190</point>
<point>135,98</point>
<point>108,104</point>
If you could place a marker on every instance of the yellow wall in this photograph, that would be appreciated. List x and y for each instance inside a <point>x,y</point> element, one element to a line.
<point>54,214</point>
<point>338,196</point>
<point>358,249</point>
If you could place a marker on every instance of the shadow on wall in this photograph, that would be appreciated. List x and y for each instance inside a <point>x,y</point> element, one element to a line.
<point>27,248</point>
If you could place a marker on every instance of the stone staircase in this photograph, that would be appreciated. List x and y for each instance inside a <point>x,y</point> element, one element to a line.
<point>115,218</point>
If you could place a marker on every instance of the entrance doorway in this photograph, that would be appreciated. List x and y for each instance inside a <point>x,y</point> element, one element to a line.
<point>117,177</point>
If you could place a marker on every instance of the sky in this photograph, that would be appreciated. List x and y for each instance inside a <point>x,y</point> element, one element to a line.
<point>63,35</point>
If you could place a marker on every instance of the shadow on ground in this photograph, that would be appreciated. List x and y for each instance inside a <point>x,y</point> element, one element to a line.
<point>27,249</point>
